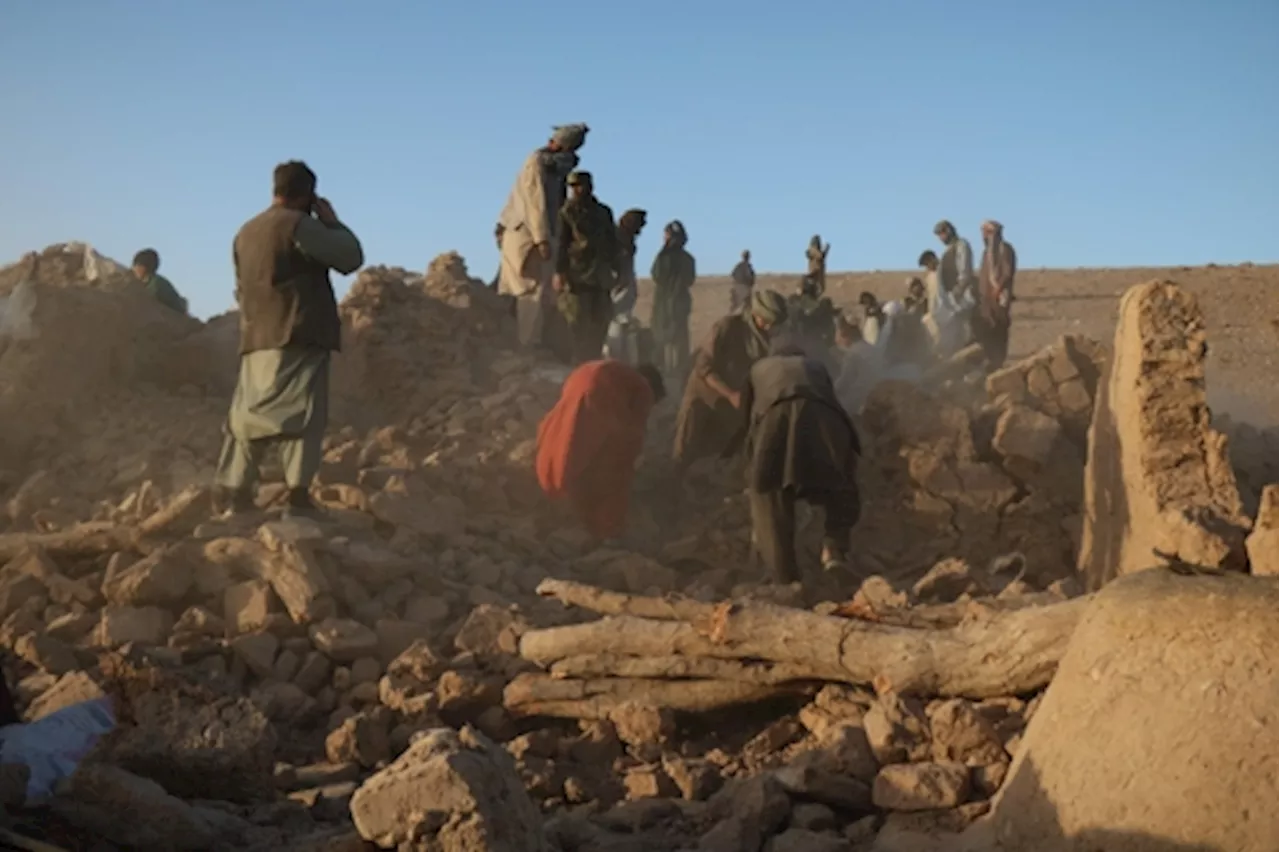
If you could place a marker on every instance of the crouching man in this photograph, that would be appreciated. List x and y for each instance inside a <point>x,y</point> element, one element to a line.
<point>799,445</point>
<point>589,442</point>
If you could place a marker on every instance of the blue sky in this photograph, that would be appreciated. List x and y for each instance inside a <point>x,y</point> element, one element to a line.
<point>1101,132</point>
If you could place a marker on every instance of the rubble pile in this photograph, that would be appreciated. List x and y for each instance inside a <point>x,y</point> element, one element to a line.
<point>429,668</point>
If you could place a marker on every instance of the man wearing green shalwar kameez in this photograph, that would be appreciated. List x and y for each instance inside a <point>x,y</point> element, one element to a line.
<point>289,327</point>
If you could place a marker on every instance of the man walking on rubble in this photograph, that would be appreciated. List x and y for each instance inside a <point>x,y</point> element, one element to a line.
<point>586,268</point>
<point>995,294</point>
<point>289,328</point>
<point>146,264</point>
<point>744,283</point>
<point>529,237</point>
<point>588,444</point>
<point>799,445</point>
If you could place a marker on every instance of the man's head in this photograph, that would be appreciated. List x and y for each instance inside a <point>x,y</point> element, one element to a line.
<point>654,378</point>
<point>768,310</point>
<point>915,289</point>
<point>633,221</point>
<point>568,137</point>
<point>746,256</point>
<point>945,232</point>
<point>580,184</point>
<point>293,185</point>
<point>928,260</point>
<point>991,229</point>
<point>146,263</point>
<point>847,332</point>
<point>674,234</point>
<point>870,304</point>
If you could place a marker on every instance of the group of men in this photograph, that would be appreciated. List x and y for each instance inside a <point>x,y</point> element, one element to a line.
<point>569,268</point>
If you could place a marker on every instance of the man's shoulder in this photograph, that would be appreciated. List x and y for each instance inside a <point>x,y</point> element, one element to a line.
<point>273,217</point>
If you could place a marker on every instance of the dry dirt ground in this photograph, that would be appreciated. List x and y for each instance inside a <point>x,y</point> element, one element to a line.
<point>1239,303</point>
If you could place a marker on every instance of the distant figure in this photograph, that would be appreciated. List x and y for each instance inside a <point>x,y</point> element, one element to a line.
<point>744,283</point>
<point>858,366</point>
<point>915,302</point>
<point>799,445</point>
<point>955,267</point>
<point>674,272</point>
<point>289,328</point>
<point>146,264</point>
<point>811,318</point>
<point>529,237</point>
<point>586,268</point>
<point>817,257</point>
<point>589,442</point>
<point>621,342</point>
<point>947,320</point>
<point>497,276</point>
<point>992,320</point>
<point>709,411</point>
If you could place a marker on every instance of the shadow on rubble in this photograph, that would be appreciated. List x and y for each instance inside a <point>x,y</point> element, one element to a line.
<point>1024,817</point>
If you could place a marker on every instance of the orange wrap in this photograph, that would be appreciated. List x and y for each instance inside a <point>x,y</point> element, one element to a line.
<point>588,444</point>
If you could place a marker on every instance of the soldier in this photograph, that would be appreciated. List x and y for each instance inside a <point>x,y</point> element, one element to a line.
<point>586,268</point>
<point>816,254</point>
<point>744,283</point>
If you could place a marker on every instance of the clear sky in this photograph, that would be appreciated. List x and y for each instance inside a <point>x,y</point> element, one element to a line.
<point>1101,132</point>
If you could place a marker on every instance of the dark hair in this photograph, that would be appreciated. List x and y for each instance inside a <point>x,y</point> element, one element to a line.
<point>867,299</point>
<point>654,378</point>
<point>293,181</point>
<point>148,259</point>
<point>925,257</point>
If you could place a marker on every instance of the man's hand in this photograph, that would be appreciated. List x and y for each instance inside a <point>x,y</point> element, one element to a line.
<point>557,283</point>
<point>324,211</point>
<point>544,250</point>
<point>735,399</point>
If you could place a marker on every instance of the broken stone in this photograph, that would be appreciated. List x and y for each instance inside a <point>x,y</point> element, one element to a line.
<point>696,779</point>
<point>1159,486</point>
<point>430,610</point>
<point>452,788</point>
<point>283,702</point>
<point>73,626</point>
<point>365,670</point>
<point>118,625</point>
<point>648,782</point>
<point>1025,433</point>
<point>286,666</point>
<point>362,739</point>
<point>750,811</point>
<point>803,778</point>
<point>247,606</point>
<point>897,730</point>
<point>71,688</point>
<point>813,816</point>
<point>344,640</point>
<point>920,786</point>
<point>97,796</point>
<point>199,621</point>
<point>946,581</point>
<point>963,735</point>
<point>46,653</point>
<point>490,631</point>
<point>17,586</point>
<point>805,840</point>
<point>1262,542</point>
<point>292,568</point>
<point>640,725</point>
<point>258,650</point>
<point>986,780</point>
<point>161,579</point>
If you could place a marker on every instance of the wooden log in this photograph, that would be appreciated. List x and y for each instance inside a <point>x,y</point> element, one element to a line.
<point>81,540</point>
<point>1007,653</point>
<point>543,695</point>
<point>668,608</point>
<point>676,667</point>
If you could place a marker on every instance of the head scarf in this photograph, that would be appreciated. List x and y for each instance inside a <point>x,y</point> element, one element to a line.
<point>678,236</point>
<point>944,227</point>
<point>768,307</point>
<point>570,137</point>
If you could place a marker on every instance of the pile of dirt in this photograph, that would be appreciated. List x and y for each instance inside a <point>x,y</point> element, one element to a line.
<point>385,677</point>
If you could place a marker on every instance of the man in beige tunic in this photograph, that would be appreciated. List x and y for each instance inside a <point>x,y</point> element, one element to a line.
<point>529,234</point>
<point>289,327</point>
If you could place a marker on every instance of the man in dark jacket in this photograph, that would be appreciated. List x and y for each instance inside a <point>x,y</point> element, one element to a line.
<point>586,268</point>
<point>289,327</point>
<point>800,445</point>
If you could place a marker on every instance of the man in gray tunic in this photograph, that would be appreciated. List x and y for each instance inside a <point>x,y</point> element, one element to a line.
<point>289,326</point>
<point>800,445</point>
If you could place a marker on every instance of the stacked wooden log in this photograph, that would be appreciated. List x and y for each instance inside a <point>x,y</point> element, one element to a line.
<point>681,654</point>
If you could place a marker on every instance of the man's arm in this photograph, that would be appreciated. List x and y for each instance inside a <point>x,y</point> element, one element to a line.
<point>533,200</point>
<point>693,269</point>
<point>562,245</point>
<point>964,264</point>
<point>333,245</point>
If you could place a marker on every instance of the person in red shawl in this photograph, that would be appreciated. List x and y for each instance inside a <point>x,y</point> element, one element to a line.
<point>588,444</point>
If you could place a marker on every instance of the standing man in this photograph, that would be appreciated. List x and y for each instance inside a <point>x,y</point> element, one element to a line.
<point>955,267</point>
<point>800,445</point>
<point>289,326</point>
<point>816,254</point>
<point>145,266</point>
<point>995,294</point>
<point>529,236</point>
<point>744,282</point>
<point>620,341</point>
<point>588,444</point>
<point>586,268</point>
<point>674,271</point>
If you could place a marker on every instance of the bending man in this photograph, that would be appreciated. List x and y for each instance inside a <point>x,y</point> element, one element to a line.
<point>800,445</point>
<point>588,444</point>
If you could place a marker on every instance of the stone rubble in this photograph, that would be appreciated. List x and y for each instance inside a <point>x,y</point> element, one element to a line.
<point>284,684</point>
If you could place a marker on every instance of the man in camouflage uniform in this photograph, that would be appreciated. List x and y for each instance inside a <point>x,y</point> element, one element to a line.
<point>586,268</point>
